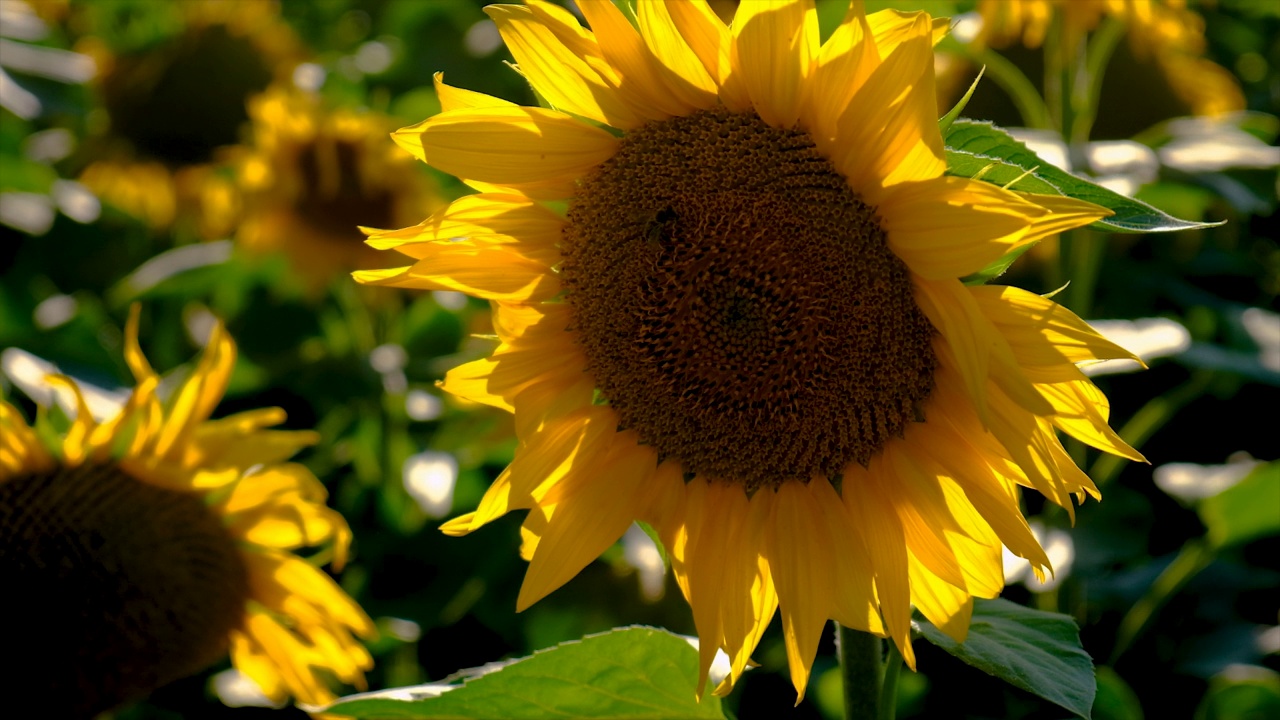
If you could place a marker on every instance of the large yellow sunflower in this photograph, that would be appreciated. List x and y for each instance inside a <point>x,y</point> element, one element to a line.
<point>749,328</point>
<point>309,176</point>
<point>137,550</point>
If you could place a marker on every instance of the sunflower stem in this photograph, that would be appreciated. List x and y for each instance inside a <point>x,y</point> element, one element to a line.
<point>861,671</point>
<point>889,688</point>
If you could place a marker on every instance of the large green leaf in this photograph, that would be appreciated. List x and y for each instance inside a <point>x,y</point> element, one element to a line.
<point>1247,511</point>
<point>982,150</point>
<point>1037,651</point>
<point>630,673</point>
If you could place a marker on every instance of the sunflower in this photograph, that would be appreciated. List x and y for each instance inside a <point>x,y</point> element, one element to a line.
<point>137,550</point>
<point>165,120</point>
<point>309,176</point>
<point>1161,30</point>
<point>749,328</point>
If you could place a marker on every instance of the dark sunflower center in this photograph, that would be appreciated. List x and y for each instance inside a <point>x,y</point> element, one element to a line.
<point>334,197</point>
<point>113,587</point>
<point>738,304</point>
<point>180,103</point>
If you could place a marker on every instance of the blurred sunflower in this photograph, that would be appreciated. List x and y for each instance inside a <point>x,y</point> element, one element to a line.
<point>1164,31</point>
<point>172,102</point>
<point>309,176</point>
<point>750,330</point>
<point>146,545</point>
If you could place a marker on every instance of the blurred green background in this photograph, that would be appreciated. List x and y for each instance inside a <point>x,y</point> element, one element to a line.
<point>213,159</point>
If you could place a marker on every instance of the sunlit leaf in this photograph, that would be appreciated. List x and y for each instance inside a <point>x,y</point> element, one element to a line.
<point>1037,651</point>
<point>982,150</point>
<point>633,673</point>
<point>1248,511</point>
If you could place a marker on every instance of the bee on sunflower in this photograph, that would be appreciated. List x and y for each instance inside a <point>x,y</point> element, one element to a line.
<point>141,548</point>
<point>750,329</point>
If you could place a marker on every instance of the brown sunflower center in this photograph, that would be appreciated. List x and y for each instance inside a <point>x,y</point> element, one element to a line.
<point>336,194</point>
<point>738,304</point>
<point>113,588</point>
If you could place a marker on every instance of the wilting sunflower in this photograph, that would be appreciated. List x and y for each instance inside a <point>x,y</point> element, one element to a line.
<point>749,328</point>
<point>310,175</point>
<point>137,550</point>
<point>165,119</point>
<point>1163,31</point>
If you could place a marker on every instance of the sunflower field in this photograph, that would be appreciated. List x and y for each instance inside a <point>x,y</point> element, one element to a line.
<point>640,359</point>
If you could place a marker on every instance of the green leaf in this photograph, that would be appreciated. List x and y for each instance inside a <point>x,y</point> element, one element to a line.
<point>997,268</point>
<point>945,122</point>
<point>657,540</point>
<point>632,673</point>
<point>1115,700</point>
<point>983,151</point>
<point>1246,511</point>
<point>1037,651</point>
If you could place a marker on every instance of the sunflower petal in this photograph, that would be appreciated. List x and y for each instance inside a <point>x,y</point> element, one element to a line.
<point>774,44</point>
<point>507,145</point>
<point>552,55</point>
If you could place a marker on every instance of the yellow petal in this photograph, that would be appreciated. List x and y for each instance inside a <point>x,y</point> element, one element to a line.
<point>555,64</point>
<point>854,600</point>
<point>502,219</point>
<point>894,27</point>
<point>843,65</point>
<point>800,557</point>
<point>687,77</point>
<point>712,42</point>
<point>507,145</point>
<point>644,83</point>
<point>951,227</point>
<point>946,606</point>
<point>249,658</point>
<point>476,268</point>
<point>1065,213</point>
<point>897,140</point>
<point>774,44</point>
<point>452,98</point>
<point>747,576</point>
<point>588,521</point>
<point>955,315</point>
<point>1076,412</point>
<point>873,513</point>
<point>1040,331</point>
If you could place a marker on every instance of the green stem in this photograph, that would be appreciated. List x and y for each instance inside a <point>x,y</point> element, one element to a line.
<point>1194,557</point>
<point>861,671</point>
<point>889,689</point>
<point>1101,46</point>
<point>1035,114</point>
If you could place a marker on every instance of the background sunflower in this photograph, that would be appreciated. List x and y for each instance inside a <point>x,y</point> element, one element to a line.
<point>398,457</point>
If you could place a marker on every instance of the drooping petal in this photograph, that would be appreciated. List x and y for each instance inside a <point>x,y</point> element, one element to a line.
<point>800,556</point>
<point>587,521</point>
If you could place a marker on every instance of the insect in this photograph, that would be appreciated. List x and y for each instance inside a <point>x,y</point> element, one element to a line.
<point>659,225</point>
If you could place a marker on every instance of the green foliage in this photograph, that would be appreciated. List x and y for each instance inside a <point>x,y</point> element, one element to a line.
<point>1037,651</point>
<point>1245,512</point>
<point>983,151</point>
<point>635,673</point>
